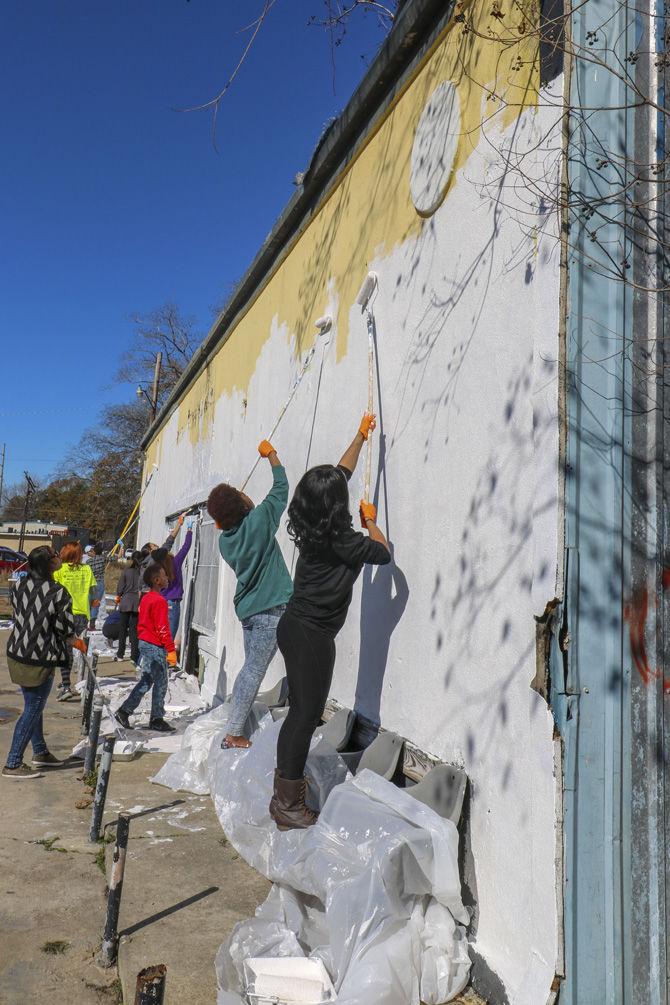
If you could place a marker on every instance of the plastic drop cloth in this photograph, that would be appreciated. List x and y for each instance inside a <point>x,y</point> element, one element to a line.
<point>372,890</point>
<point>182,704</point>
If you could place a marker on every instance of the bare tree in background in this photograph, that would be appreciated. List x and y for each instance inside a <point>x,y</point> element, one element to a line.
<point>165,330</point>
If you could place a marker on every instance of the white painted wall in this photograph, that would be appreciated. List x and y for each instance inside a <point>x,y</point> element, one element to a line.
<point>441,646</point>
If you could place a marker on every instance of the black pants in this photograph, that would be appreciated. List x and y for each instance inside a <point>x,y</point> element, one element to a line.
<point>309,656</point>
<point>128,626</point>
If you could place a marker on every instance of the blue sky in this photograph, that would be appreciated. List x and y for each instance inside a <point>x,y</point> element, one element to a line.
<point>112,202</point>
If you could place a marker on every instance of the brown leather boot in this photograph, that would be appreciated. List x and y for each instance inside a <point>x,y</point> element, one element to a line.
<point>287,806</point>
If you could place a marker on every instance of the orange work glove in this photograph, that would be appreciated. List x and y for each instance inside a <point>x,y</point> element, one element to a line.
<point>180,519</point>
<point>368,424</point>
<point>368,511</point>
<point>80,645</point>
<point>172,658</point>
<point>265,448</point>
<point>117,600</point>
<point>95,603</point>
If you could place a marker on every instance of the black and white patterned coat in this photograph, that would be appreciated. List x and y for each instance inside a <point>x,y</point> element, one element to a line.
<point>43,620</point>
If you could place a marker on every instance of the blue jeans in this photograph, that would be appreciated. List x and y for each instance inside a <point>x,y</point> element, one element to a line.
<point>174,610</point>
<point>154,678</point>
<point>28,727</point>
<point>260,645</point>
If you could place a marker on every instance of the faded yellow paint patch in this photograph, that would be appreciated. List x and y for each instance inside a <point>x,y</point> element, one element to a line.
<point>152,455</point>
<point>369,210</point>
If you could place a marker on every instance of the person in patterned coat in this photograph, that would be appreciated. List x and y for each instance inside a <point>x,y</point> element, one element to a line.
<point>39,642</point>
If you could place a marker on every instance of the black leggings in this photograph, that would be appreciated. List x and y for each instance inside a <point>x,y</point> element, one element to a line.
<point>310,657</point>
<point>128,626</point>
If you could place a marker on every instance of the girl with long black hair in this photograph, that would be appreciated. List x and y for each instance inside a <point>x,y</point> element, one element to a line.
<point>331,557</point>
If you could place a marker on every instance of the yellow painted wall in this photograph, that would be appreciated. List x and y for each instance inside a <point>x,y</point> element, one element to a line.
<point>368,210</point>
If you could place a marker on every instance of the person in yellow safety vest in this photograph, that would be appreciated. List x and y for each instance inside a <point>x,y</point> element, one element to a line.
<point>79,581</point>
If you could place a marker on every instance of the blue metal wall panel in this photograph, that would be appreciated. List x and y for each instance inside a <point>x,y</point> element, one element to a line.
<point>612,714</point>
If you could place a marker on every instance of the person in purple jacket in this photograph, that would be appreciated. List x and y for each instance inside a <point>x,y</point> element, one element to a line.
<point>172,564</point>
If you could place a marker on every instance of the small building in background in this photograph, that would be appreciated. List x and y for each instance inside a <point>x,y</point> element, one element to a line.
<point>39,532</point>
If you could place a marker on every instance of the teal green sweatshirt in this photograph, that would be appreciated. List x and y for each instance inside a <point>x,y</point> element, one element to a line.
<point>250,549</point>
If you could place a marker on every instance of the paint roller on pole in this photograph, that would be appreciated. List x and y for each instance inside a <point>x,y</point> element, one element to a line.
<point>324,324</point>
<point>365,294</point>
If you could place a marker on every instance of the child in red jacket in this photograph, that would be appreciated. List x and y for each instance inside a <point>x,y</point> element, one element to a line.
<point>157,650</point>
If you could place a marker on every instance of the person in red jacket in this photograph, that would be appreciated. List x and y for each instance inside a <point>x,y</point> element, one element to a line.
<point>157,651</point>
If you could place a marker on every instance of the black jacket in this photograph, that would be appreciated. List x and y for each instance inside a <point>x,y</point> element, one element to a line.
<point>43,620</point>
<point>128,590</point>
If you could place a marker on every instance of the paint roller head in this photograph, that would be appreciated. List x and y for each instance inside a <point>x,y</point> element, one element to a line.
<point>366,290</point>
<point>324,324</point>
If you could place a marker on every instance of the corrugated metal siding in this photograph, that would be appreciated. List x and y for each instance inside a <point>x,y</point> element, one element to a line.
<point>609,656</point>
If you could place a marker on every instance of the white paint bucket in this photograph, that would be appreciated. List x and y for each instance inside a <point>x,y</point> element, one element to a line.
<point>287,980</point>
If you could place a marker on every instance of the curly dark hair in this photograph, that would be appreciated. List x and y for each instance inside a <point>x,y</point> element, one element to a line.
<point>226,506</point>
<point>319,509</point>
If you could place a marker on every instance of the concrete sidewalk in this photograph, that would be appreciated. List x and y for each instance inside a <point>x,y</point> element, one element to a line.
<point>184,886</point>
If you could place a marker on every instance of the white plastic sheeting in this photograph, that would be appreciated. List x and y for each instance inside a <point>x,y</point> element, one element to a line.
<point>372,890</point>
<point>182,704</point>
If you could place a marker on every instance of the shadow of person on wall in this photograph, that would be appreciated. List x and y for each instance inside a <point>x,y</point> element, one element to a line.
<point>383,602</point>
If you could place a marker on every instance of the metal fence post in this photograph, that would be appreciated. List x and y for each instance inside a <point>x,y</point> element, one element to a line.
<point>93,734</point>
<point>110,939</point>
<point>101,787</point>
<point>87,703</point>
<point>150,987</point>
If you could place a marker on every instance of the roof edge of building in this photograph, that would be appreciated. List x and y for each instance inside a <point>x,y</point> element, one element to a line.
<point>417,23</point>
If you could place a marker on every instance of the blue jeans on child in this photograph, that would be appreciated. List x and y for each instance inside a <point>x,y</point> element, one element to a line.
<point>260,645</point>
<point>28,727</point>
<point>153,665</point>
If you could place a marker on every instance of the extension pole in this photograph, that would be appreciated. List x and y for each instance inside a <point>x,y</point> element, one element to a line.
<point>101,787</point>
<point>110,939</point>
<point>371,401</point>
<point>150,987</point>
<point>93,734</point>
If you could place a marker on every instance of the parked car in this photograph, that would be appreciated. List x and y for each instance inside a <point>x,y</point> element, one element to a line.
<point>11,560</point>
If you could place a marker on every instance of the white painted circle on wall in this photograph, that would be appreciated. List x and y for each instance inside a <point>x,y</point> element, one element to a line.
<point>434,149</point>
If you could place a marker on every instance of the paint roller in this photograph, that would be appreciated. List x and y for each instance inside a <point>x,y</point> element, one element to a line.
<point>369,286</point>
<point>324,324</point>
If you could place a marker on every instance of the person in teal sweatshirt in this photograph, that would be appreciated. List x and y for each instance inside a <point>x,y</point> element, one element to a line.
<point>264,587</point>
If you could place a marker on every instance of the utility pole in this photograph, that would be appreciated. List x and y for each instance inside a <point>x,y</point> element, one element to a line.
<point>30,488</point>
<point>153,398</point>
<point>2,471</point>
<point>154,389</point>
